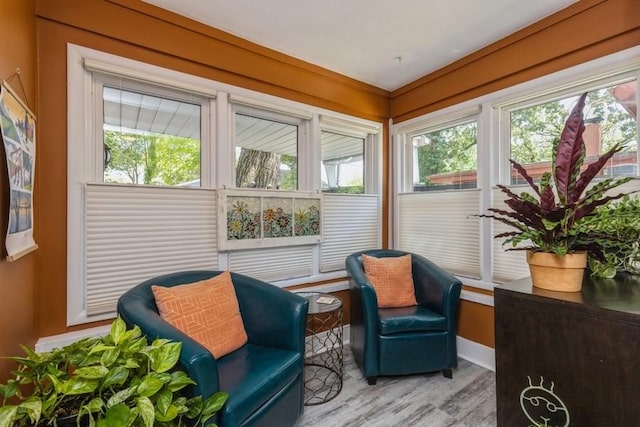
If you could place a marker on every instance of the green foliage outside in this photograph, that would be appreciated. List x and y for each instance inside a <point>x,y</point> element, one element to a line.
<point>534,131</point>
<point>152,159</point>
<point>453,149</point>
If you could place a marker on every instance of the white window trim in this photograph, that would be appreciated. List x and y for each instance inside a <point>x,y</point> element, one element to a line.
<point>492,156</point>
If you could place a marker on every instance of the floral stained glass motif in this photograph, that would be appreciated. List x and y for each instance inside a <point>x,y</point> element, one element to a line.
<point>277,216</point>
<point>307,217</point>
<point>243,218</point>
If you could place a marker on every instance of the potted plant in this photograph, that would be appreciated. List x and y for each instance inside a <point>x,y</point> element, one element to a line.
<point>115,380</point>
<point>561,221</point>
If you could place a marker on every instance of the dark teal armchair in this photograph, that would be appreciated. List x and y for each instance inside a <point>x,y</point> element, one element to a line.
<point>264,378</point>
<point>406,340</point>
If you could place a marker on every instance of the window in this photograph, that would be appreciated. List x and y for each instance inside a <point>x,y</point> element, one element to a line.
<point>149,135</point>
<point>149,151</point>
<point>467,154</point>
<point>610,119</point>
<point>445,159</point>
<point>441,198</point>
<point>266,148</point>
<point>342,163</point>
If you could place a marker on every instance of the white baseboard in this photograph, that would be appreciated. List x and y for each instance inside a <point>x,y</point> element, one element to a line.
<point>56,341</point>
<point>477,353</point>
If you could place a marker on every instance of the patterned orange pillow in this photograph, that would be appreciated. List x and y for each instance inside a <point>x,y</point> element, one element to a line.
<point>391,278</point>
<point>207,311</point>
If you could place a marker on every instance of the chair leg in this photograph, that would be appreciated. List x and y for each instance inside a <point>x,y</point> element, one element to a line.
<point>372,380</point>
<point>447,373</point>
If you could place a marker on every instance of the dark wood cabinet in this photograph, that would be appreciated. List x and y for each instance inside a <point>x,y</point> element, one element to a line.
<point>568,358</point>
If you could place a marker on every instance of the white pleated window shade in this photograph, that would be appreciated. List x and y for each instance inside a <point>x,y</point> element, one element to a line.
<point>273,263</point>
<point>350,224</point>
<point>134,233</point>
<point>441,226</point>
<point>507,265</point>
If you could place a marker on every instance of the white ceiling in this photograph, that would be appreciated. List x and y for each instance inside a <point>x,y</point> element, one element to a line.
<point>385,43</point>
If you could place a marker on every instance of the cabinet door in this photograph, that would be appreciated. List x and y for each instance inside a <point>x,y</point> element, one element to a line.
<point>564,363</point>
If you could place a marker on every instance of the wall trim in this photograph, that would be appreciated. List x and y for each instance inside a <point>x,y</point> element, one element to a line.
<point>476,353</point>
<point>56,341</point>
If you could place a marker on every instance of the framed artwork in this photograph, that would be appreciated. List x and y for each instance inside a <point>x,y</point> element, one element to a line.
<point>19,140</point>
<point>254,219</point>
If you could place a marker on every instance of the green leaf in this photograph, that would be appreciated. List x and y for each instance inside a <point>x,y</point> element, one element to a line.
<point>116,416</point>
<point>145,408</point>
<point>150,385</point>
<point>7,415</point>
<point>195,405</point>
<point>179,379</point>
<point>100,348</point>
<point>214,403</point>
<point>166,357</point>
<point>120,396</point>
<point>163,400</point>
<point>117,375</point>
<point>33,407</point>
<point>92,372</point>
<point>10,389</point>
<point>75,386</point>
<point>118,330</point>
<point>94,405</point>
<point>172,412</point>
<point>110,356</point>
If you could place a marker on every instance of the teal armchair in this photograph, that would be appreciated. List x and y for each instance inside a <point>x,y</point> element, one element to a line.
<point>264,378</point>
<point>405,340</point>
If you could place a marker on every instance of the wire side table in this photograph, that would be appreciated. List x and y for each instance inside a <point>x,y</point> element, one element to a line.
<point>323,348</point>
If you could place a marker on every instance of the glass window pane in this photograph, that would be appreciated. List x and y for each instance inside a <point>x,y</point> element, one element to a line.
<point>342,163</point>
<point>446,159</point>
<point>266,153</point>
<point>610,118</point>
<point>150,139</point>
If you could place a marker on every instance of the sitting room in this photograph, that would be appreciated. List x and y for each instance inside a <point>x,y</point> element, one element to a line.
<point>334,176</point>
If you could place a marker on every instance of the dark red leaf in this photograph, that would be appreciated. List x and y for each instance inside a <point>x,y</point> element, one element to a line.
<point>523,172</point>
<point>592,170</point>
<point>570,150</point>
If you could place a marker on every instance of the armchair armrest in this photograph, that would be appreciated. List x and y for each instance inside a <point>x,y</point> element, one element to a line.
<point>272,317</point>
<point>137,308</point>
<point>364,316</point>
<point>436,288</point>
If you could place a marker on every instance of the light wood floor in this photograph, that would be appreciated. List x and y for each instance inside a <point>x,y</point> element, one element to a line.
<point>427,400</point>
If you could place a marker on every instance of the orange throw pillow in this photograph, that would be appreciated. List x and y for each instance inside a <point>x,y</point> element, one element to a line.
<point>391,278</point>
<point>206,311</point>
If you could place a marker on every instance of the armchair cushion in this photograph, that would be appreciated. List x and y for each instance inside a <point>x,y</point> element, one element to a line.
<point>410,319</point>
<point>391,279</point>
<point>207,311</point>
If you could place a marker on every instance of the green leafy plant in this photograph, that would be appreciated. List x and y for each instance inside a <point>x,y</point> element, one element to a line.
<point>622,252</point>
<point>563,215</point>
<point>115,380</point>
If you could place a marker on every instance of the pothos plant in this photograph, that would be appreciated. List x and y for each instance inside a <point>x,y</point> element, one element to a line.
<point>564,215</point>
<point>115,380</point>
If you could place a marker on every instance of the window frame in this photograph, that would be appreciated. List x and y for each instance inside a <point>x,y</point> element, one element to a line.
<point>100,80</point>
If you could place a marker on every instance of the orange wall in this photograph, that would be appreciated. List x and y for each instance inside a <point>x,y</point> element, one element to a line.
<point>136,30</point>
<point>584,31</point>
<point>18,279</point>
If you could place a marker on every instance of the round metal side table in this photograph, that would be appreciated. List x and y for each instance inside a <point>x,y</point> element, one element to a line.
<point>323,348</point>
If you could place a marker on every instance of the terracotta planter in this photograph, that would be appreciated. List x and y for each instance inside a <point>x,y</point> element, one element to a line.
<point>557,273</point>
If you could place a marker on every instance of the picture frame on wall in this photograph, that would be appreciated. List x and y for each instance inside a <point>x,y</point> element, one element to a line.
<point>18,129</point>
